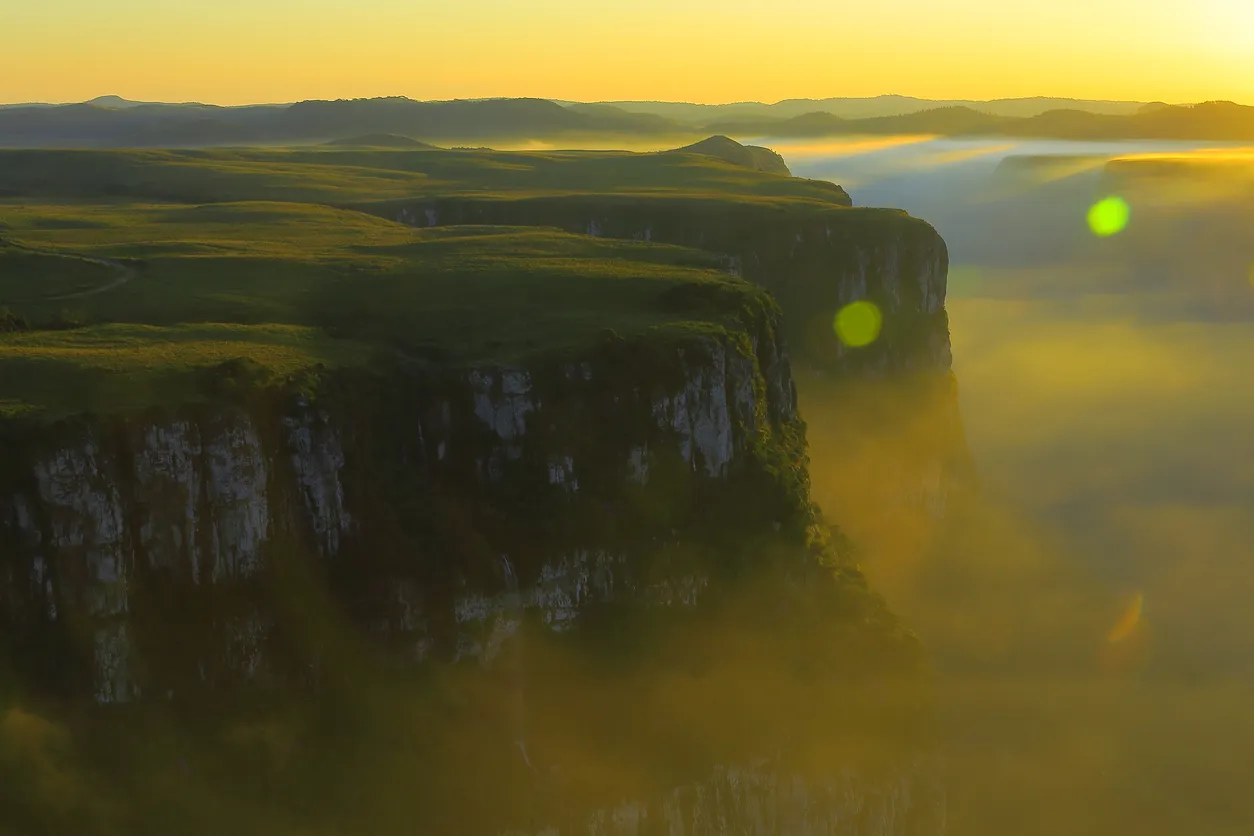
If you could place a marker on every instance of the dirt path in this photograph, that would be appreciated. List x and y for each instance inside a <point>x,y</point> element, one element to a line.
<point>124,273</point>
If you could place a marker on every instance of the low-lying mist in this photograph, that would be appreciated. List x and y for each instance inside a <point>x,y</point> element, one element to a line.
<point>1085,593</point>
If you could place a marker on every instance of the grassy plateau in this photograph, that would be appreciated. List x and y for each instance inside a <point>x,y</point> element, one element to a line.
<point>123,273</point>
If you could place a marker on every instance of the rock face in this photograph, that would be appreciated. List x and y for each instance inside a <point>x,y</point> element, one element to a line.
<point>442,517</point>
<point>814,262</point>
<point>200,499</point>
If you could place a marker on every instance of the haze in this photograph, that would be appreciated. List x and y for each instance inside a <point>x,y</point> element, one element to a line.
<point>1107,410</point>
<point>237,52</point>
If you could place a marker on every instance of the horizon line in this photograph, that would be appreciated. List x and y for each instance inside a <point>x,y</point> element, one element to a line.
<point>616,101</point>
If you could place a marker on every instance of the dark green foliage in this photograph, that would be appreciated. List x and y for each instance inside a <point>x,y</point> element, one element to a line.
<point>10,321</point>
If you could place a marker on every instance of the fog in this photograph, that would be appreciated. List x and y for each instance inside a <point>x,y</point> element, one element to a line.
<point>1085,595</point>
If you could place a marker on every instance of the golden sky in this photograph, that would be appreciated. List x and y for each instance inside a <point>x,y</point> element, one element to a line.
<point>241,51</point>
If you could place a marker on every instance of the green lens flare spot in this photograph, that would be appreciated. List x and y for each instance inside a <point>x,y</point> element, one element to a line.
<point>858,323</point>
<point>1109,217</point>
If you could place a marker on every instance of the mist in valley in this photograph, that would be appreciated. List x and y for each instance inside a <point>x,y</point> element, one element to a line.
<point>1079,566</point>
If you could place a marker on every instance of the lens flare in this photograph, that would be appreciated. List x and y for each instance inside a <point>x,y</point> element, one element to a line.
<point>1128,622</point>
<point>858,323</point>
<point>1109,217</point>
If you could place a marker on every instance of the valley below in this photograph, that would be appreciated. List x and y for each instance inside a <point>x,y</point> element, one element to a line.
<point>1085,613</point>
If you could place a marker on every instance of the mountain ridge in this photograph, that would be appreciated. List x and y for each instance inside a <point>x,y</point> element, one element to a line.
<point>91,124</point>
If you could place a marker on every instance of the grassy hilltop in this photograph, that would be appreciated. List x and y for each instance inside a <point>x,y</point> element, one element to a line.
<point>124,274</point>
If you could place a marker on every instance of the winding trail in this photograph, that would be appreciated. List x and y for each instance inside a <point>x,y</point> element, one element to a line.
<point>124,273</point>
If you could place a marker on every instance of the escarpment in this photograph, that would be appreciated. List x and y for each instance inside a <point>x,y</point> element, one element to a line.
<point>631,521</point>
<point>813,259</point>
<point>465,529</point>
<point>571,478</point>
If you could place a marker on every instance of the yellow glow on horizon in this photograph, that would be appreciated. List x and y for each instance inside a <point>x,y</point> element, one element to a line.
<point>706,51</point>
<point>1196,155</point>
<point>847,147</point>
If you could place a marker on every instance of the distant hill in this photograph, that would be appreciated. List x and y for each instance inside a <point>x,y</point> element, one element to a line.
<point>123,123</point>
<point>866,108</point>
<point>190,125</point>
<point>115,101</point>
<point>1206,121</point>
<point>749,156</point>
<point>380,141</point>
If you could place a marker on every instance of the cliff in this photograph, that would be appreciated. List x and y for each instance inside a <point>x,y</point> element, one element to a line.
<point>502,523</point>
<point>462,529</point>
<point>192,498</point>
<point>814,260</point>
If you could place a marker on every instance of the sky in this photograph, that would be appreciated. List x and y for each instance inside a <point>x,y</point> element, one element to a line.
<point>250,51</point>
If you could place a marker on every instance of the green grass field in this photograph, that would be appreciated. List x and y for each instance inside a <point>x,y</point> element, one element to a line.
<point>291,287</point>
<point>343,176</point>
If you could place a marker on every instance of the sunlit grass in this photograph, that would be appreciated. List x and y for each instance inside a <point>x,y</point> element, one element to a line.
<point>127,366</point>
<point>290,286</point>
<point>132,349</point>
<point>343,176</point>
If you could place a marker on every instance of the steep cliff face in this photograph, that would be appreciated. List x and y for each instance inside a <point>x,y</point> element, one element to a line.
<point>452,517</point>
<point>543,580</point>
<point>97,508</point>
<point>814,260</point>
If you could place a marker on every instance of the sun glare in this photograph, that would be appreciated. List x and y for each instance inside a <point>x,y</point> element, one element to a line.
<point>1228,24</point>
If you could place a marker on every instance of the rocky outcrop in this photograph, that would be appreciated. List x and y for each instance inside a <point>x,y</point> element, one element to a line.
<point>813,259</point>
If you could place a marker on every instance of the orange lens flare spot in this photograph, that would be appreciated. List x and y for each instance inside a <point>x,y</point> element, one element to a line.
<point>1129,621</point>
